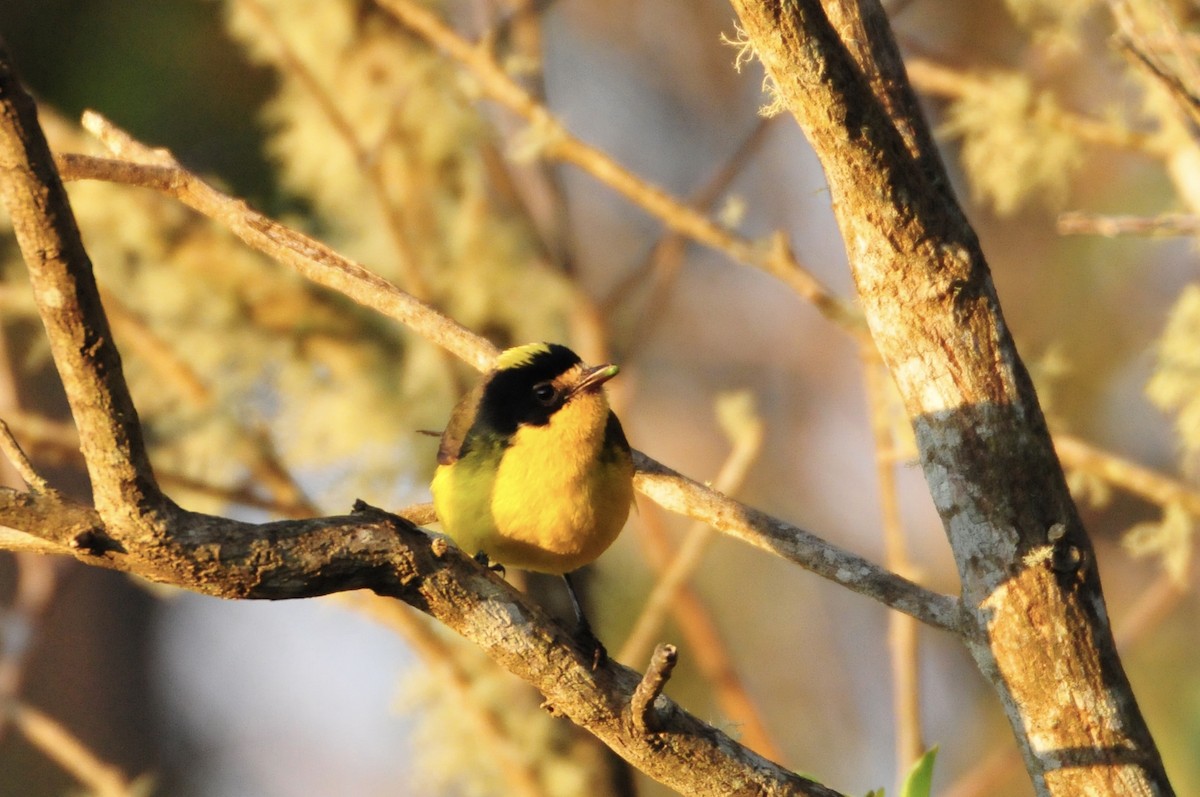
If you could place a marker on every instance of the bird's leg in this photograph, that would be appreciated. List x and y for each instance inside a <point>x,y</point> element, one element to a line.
<point>484,560</point>
<point>584,629</point>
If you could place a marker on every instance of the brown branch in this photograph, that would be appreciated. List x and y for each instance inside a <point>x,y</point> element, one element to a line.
<point>66,750</point>
<point>69,303</point>
<point>706,645</point>
<point>677,493</point>
<point>902,631</point>
<point>646,717</point>
<point>1166,224</point>
<point>16,457</point>
<point>304,558</point>
<point>371,550</point>
<point>322,265</point>
<point>557,142</point>
<point>1033,609</point>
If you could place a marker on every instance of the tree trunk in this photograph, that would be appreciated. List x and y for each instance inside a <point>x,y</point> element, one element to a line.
<point>1034,616</point>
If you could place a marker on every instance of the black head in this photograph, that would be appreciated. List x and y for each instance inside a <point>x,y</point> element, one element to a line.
<point>532,382</point>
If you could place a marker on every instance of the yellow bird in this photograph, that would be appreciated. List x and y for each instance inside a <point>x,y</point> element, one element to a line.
<point>534,470</point>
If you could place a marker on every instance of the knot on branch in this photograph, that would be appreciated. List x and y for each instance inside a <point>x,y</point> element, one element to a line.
<point>641,705</point>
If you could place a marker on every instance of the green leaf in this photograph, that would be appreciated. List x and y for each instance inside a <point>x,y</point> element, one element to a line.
<point>919,782</point>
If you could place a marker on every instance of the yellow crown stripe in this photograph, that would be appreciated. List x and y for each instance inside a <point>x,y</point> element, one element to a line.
<point>520,355</point>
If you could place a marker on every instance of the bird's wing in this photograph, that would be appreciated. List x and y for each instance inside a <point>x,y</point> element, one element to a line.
<point>460,423</point>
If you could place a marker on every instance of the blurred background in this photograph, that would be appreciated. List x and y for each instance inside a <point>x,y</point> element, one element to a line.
<point>265,396</point>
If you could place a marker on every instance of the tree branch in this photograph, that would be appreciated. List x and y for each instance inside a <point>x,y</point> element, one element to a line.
<point>137,529</point>
<point>381,552</point>
<point>558,143</point>
<point>677,493</point>
<point>1034,616</point>
<point>325,267</point>
<point>1166,224</point>
<point>65,749</point>
<point>65,291</point>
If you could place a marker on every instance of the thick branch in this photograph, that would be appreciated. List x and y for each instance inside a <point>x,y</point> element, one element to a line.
<point>1033,609</point>
<point>372,550</point>
<point>139,531</point>
<point>65,290</point>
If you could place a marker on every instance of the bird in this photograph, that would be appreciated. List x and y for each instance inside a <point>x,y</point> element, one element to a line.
<point>534,470</point>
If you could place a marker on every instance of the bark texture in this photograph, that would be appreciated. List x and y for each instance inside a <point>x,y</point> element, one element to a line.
<point>137,529</point>
<point>1034,615</point>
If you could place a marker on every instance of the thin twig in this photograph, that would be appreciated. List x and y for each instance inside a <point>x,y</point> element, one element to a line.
<point>902,630</point>
<point>940,80</point>
<point>322,265</point>
<point>1148,484</point>
<point>520,776</point>
<point>16,456</point>
<point>66,750</point>
<point>557,142</point>
<point>677,493</point>
<point>310,258</point>
<point>665,257</point>
<point>641,706</point>
<point>671,576</point>
<point>1164,225</point>
<point>706,645</point>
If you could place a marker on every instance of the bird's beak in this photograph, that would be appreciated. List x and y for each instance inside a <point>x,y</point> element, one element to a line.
<point>594,377</point>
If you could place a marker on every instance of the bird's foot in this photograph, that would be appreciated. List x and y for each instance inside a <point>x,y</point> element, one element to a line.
<point>483,559</point>
<point>588,640</point>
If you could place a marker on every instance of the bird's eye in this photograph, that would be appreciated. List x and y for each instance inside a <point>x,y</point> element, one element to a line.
<point>545,393</point>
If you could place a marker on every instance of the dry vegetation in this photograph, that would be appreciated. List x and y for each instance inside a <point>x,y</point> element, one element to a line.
<point>277,378</point>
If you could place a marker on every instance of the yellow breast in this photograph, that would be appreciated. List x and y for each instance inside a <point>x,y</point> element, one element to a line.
<point>554,502</point>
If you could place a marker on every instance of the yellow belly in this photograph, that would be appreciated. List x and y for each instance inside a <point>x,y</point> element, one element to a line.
<point>540,509</point>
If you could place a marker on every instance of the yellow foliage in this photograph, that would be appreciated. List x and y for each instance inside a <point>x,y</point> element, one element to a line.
<point>1170,539</point>
<point>1016,148</point>
<point>1054,23</point>
<point>503,735</point>
<point>1175,385</point>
